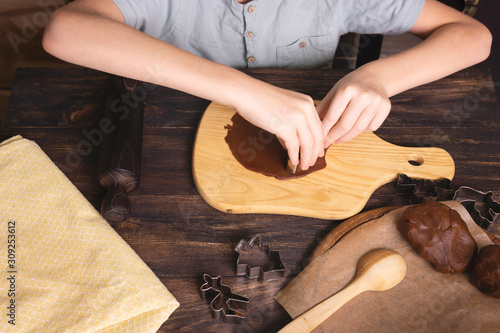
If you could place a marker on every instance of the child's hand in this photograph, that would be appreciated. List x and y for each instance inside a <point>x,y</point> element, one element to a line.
<point>290,115</point>
<point>357,103</point>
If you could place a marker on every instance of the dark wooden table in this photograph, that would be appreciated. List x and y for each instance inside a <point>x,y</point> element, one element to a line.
<point>176,233</point>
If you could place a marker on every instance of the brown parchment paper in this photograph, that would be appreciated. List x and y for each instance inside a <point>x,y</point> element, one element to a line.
<point>425,301</point>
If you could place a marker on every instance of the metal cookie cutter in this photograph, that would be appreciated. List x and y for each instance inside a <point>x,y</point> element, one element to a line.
<point>423,190</point>
<point>480,205</point>
<point>272,270</point>
<point>225,304</point>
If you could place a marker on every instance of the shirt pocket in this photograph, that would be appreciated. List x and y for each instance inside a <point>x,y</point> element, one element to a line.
<point>307,52</point>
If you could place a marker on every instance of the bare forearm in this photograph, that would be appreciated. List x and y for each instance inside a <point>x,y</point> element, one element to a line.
<point>105,44</point>
<point>92,36</point>
<point>360,101</point>
<point>450,48</point>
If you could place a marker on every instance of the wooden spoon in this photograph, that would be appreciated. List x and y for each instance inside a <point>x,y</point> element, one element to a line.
<point>377,270</point>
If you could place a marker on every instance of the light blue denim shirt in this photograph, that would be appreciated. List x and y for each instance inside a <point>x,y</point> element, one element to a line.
<point>266,33</point>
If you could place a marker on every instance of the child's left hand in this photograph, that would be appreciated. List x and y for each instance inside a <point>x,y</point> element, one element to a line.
<point>359,102</point>
<point>356,104</point>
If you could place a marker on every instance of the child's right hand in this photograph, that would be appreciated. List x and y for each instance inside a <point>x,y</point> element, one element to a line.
<point>290,115</point>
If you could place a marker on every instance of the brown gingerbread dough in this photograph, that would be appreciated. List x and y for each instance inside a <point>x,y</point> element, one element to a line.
<point>486,270</point>
<point>439,235</point>
<point>260,151</point>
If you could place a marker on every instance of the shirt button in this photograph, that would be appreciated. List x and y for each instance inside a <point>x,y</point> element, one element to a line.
<point>251,9</point>
<point>302,45</point>
<point>250,34</point>
<point>250,59</point>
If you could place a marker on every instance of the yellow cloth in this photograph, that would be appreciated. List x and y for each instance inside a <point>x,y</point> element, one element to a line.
<point>71,271</point>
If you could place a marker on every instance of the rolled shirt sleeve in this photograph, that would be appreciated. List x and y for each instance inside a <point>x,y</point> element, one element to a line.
<point>153,17</point>
<point>386,17</point>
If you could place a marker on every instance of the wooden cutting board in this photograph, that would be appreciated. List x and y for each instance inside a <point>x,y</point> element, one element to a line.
<point>355,169</point>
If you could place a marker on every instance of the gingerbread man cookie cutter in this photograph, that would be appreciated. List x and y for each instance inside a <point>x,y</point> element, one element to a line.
<point>224,303</point>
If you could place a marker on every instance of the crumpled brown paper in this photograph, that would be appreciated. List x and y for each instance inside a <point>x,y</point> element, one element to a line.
<point>425,301</point>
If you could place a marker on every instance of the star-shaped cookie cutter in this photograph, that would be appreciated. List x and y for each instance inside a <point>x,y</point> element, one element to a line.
<point>276,271</point>
<point>225,304</point>
<point>480,205</point>
<point>423,190</point>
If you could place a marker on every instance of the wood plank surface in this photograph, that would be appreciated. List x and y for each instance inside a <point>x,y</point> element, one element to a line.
<point>176,233</point>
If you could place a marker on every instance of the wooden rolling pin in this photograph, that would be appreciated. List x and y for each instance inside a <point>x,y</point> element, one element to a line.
<point>377,270</point>
<point>120,159</point>
<point>343,228</point>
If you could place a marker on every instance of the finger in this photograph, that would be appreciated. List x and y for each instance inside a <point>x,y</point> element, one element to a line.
<point>337,107</point>
<point>315,128</point>
<point>282,143</point>
<point>323,105</point>
<point>310,133</point>
<point>347,120</point>
<point>306,142</point>
<point>361,124</point>
<point>291,143</point>
<point>375,123</point>
<point>380,117</point>
<point>335,110</point>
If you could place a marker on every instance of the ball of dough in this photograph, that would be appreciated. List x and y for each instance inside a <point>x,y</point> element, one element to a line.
<point>439,235</point>
<point>486,270</point>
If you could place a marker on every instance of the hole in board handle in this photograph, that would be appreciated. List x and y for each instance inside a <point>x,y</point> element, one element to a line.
<point>415,160</point>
